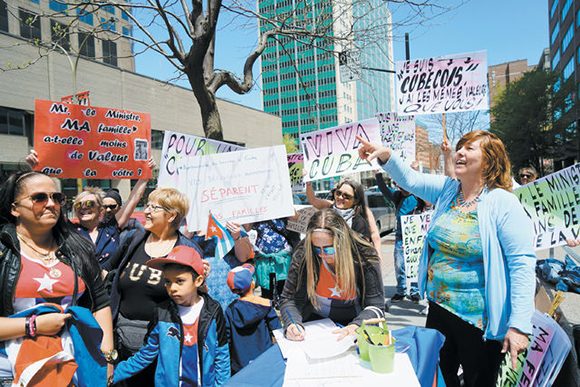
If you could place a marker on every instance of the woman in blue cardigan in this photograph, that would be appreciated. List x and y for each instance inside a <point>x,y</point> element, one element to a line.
<point>477,267</point>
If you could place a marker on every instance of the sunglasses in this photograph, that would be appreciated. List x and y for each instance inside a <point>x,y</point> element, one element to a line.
<point>90,204</point>
<point>525,176</point>
<point>110,206</point>
<point>345,196</point>
<point>154,207</point>
<point>58,198</point>
<point>327,250</point>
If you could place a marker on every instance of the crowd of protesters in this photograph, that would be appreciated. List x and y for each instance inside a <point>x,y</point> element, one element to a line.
<point>159,306</point>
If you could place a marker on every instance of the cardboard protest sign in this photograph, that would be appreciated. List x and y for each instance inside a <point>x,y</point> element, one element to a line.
<point>554,357</point>
<point>244,186</point>
<point>553,204</point>
<point>414,229</point>
<point>180,149</point>
<point>398,133</point>
<point>447,84</point>
<point>75,141</point>
<point>301,224</point>
<point>334,151</point>
<point>295,167</point>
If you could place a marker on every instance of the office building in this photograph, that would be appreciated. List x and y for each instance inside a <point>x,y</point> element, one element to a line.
<point>301,78</point>
<point>110,79</point>
<point>564,19</point>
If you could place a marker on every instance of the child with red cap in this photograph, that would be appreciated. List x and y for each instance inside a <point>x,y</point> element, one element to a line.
<point>250,319</point>
<point>188,337</point>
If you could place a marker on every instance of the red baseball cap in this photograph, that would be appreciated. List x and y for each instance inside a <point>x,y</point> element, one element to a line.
<point>181,255</point>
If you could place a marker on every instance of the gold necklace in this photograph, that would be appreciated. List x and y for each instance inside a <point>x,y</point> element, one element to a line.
<point>48,258</point>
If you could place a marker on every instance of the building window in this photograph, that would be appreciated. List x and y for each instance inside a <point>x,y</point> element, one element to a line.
<point>555,32</point>
<point>569,69</point>
<point>124,15</point>
<point>29,25</point>
<point>109,8</point>
<point>86,45</point>
<point>57,6</point>
<point>555,59</point>
<point>554,8</point>
<point>566,8</point>
<point>59,34</point>
<point>110,52</point>
<point>108,24</point>
<point>568,103</point>
<point>156,139</point>
<point>568,38</point>
<point>556,86</point>
<point>12,122</point>
<point>35,1</point>
<point>84,16</point>
<point>127,31</point>
<point>3,16</point>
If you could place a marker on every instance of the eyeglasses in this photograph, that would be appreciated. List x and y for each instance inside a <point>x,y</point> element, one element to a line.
<point>340,194</point>
<point>154,207</point>
<point>110,206</point>
<point>525,176</point>
<point>88,204</point>
<point>42,198</point>
<point>328,250</point>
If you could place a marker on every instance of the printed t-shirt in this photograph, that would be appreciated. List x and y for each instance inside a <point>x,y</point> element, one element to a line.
<point>333,302</point>
<point>189,369</point>
<point>141,287</point>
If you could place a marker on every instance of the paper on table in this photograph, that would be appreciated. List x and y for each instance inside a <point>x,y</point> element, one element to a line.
<point>313,330</point>
<point>347,370</point>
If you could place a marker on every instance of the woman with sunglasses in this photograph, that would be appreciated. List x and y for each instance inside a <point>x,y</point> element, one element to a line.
<point>43,260</point>
<point>478,263</point>
<point>335,273</point>
<point>136,287</point>
<point>349,202</point>
<point>95,223</point>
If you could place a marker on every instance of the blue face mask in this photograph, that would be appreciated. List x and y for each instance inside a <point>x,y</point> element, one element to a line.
<point>327,250</point>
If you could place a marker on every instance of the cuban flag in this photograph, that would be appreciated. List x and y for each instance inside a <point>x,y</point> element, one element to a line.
<point>225,242</point>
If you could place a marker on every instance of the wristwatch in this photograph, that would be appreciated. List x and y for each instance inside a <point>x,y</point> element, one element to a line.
<point>111,356</point>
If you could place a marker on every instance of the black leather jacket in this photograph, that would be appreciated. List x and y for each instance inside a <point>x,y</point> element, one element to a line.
<point>95,298</point>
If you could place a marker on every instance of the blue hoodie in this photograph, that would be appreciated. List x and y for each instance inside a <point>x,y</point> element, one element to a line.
<point>249,327</point>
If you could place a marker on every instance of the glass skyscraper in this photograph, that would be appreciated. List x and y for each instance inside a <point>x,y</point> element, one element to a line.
<point>300,77</point>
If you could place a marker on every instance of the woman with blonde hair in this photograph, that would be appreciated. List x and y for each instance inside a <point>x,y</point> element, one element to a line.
<point>136,287</point>
<point>335,273</point>
<point>478,260</point>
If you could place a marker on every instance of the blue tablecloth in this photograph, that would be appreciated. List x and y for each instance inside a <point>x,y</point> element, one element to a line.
<point>421,344</point>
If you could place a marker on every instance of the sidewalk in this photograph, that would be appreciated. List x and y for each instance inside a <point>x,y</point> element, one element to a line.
<point>402,313</point>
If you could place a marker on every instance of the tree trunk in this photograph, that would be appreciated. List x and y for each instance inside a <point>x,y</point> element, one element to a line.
<point>210,115</point>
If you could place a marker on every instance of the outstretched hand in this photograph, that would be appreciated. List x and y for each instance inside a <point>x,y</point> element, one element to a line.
<point>369,151</point>
<point>446,147</point>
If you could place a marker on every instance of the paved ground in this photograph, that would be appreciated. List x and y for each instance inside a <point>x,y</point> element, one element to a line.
<point>402,313</point>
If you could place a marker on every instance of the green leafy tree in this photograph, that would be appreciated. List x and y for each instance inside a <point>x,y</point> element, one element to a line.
<point>527,117</point>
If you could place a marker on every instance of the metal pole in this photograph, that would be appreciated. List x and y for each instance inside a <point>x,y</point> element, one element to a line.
<point>407,48</point>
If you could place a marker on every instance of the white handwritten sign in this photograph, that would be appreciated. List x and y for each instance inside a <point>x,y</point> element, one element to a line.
<point>300,225</point>
<point>295,166</point>
<point>180,149</point>
<point>244,186</point>
<point>398,133</point>
<point>334,151</point>
<point>553,204</point>
<point>453,83</point>
<point>414,229</point>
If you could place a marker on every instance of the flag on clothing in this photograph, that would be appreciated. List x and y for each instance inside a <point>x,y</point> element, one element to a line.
<point>225,242</point>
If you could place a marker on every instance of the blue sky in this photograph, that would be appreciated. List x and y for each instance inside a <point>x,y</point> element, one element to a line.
<point>507,29</point>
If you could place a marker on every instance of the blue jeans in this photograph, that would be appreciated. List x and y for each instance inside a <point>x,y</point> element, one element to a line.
<point>400,270</point>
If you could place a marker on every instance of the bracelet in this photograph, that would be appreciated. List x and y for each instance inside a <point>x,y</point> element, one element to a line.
<point>27,326</point>
<point>238,238</point>
<point>32,326</point>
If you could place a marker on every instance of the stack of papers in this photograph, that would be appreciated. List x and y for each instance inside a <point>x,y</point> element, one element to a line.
<point>322,361</point>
